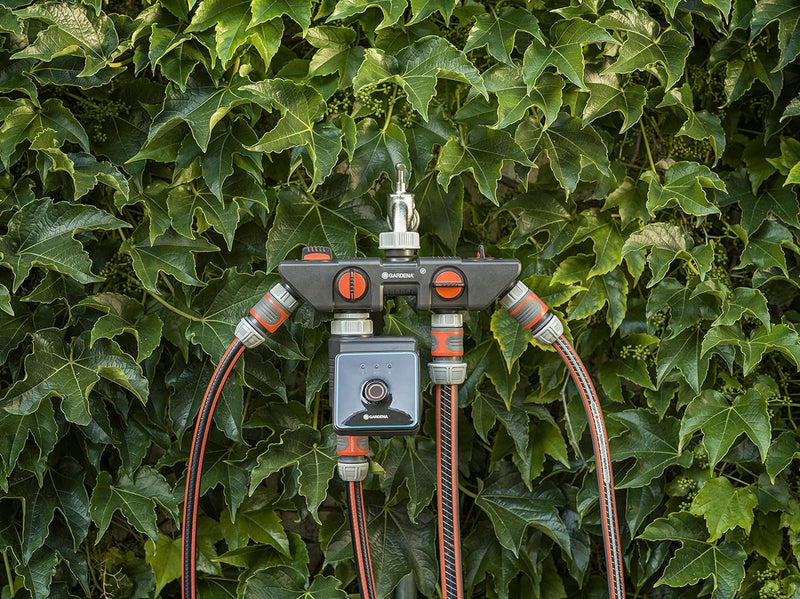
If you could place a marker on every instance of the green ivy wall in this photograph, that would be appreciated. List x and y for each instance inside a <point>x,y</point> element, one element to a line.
<point>158,159</point>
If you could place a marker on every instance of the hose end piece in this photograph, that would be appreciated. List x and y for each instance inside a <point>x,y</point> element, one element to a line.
<point>353,464</point>
<point>266,316</point>
<point>532,314</point>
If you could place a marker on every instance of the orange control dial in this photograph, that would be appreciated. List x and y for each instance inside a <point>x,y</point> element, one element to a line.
<point>352,284</point>
<point>448,284</point>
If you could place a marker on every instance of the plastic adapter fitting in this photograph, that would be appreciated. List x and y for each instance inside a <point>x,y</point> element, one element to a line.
<point>353,465</point>
<point>532,314</point>
<point>266,316</point>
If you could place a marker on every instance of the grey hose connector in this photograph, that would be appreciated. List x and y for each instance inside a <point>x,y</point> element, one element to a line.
<point>532,314</point>
<point>266,316</point>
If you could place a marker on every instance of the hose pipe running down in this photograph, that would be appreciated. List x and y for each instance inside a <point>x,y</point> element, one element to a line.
<point>546,328</point>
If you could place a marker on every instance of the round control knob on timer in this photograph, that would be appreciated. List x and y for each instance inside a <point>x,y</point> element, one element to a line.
<point>375,390</point>
<point>351,284</point>
<point>448,283</point>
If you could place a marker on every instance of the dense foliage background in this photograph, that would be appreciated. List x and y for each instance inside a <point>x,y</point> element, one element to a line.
<point>160,158</point>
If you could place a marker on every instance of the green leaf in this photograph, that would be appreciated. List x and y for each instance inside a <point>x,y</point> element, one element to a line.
<point>512,508</point>
<point>42,234</point>
<point>287,583</point>
<point>611,289</point>
<point>781,453</point>
<point>498,32</point>
<point>666,243</point>
<point>5,300</point>
<point>301,219</point>
<point>511,337</point>
<point>301,106</point>
<point>779,338</point>
<point>263,526</point>
<point>266,10</point>
<point>124,315</point>
<point>722,422</point>
<point>787,14</point>
<point>378,151</point>
<point>606,95</point>
<point>744,300</point>
<point>335,53</point>
<point>135,497</point>
<point>392,10</point>
<point>186,202</point>
<point>685,184</point>
<point>422,9</point>
<point>568,145</point>
<point>27,121</point>
<point>645,45</point>
<point>653,444</point>
<point>564,52</point>
<point>685,353</point>
<point>441,212</point>
<point>230,20</point>
<point>164,557</point>
<point>16,429</point>
<point>697,560</point>
<point>72,27</point>
<point>51,369</point>
<point>482,155</point>
<point>606,240</point>
<point>416,69</point>
<point>514,99</point>
<point>764,249</point>
<point>202,105</point>
<point>169,253</point>
<point>724,507</point>
<point>314,454</point>
<point>411,463</point>
<point>487,409</point>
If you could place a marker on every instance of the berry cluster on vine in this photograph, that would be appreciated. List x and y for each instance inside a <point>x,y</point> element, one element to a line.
<point>120,277</point>
<point>700,457</point>
<point>658,322</point>
<point>375,98</point>
<point>95,117</point>
<point>341,102</point>
<point>639,352</point>
<point>771,588</point>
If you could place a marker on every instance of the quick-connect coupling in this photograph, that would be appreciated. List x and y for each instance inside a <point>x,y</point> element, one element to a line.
<point>266,316</point>
<point>447,347</point>
<point>353,463</point>
<point>532,314</point>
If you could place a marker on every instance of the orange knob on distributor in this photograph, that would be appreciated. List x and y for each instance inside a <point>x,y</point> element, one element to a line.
<point>352,284</point>
<point>448,283</point>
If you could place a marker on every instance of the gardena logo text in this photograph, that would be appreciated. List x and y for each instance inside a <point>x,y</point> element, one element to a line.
<point>397,275</point>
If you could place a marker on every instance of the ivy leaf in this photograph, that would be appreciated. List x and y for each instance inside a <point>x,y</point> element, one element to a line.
<point>498,32</point>
<point>202,105</point>
<point>781,453</point>
<point>42,234</point>
<point>441,211</point>
<point>698,125</point>
<point>125,315</point>
<point>423,136</point>
<point>652,443</point>
<point>16,429</point>
<point>779,338</point>
<point>697,560</point>
<point>51,370</point>
<point>724,507</point>
<point>482,155</point>
<point>779,201</point>
<point>72,27</point>
<point>744,300</point>
<point>392,10</point>
<point>266,10</point>
<point>514,99</point>
<point>410,463</point>
<point>606,95</point>
<point>787,13</point>
<point>565,52</point>
<point>422,9</point>
<point>722,422</point>
<point>164,557</point>
<point>336,52</point>
<point>511,337</point>
<point>400,547</point>
<point>263,526</point>
<point>568,145</point>
<point>416,69</point>
<point>611,289</point>
<point>685,184</point>
<point>220,306</point>
<point>186,202</point>
<point>169,253</point>
<point>487,409</point>
<point>5,300</point>
<point>135,497</point>
<point>225,145</point>
<point>284,582</point>
<point>230,20</point>
<point>27,121</point>
<point>301,219</point>
<point>378,150</point>
<point>301,106</point>
<point>764,249</point>
<point>606,241</point>
<point>511,507</point>
<point>666,243</point>
<point>314,454</point>
<point>684,352</point>
<point>645,44</point>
